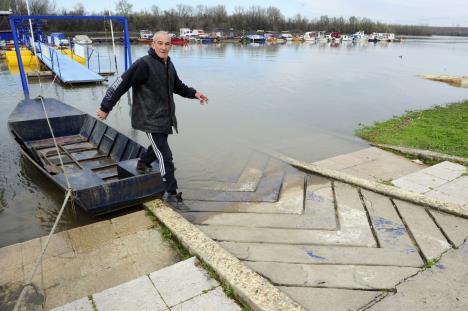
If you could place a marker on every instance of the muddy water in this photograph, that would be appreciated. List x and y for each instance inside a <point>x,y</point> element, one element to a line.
<point>304,100</point>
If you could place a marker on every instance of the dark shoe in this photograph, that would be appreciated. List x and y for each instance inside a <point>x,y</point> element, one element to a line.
<point>143,168</point>
<point>176,201</point>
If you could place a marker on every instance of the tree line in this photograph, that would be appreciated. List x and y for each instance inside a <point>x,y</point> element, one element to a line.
<point>240,21</point>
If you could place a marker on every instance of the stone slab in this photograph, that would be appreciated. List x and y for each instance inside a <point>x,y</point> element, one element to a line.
<point>138,294</point>
<point>445,197</point>
<point>410,186</point>
<point>289,201</point>
<point>456,188</point>
<point>261,220</point>
<point>267,191</point>
<point>92,236</point>
<point>446,170</point>
<point>389,228</point>
<point>213,300</point>
<point>456,228</point>
<point>182,281</point>
<point>248,180</point>
<point>131,223</point>
<point>386,168</point>
<point>317,254</point>
<point>319,202</point>
<point>351,212</point>
<point>330,299</point>
<point>427,235</point>
<point>443,287</point>
<point>148,251</point>
<point>423,179</point>
<point>288,236</point>
<point>60,244</point>
<point>103,258</point>
<point>336,276</point>
<point>82,304</point>
<point>11,256</point>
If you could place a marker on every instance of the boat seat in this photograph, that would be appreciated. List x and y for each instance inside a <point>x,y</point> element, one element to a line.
<point>79,180</point>
<point>127,168</point>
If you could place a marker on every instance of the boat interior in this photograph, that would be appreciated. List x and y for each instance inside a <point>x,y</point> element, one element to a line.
<point>97,148</point>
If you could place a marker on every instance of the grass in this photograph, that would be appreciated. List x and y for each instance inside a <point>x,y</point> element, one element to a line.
<point>167,235</point>
<point>441,128</point>
<point>93,303</point>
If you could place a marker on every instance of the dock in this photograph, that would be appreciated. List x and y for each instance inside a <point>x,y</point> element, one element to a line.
<point>66,69</point>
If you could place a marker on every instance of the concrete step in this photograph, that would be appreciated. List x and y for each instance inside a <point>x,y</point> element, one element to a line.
<point>182,286</point>
<point>445,181</point>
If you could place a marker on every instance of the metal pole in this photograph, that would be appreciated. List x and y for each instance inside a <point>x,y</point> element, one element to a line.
<point>128,52</point>
<point>24,81</point>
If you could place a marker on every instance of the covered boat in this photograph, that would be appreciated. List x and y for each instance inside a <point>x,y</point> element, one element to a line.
<point>100,162</point>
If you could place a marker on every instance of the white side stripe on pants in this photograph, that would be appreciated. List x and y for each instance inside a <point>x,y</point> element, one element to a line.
<point>158,155</point>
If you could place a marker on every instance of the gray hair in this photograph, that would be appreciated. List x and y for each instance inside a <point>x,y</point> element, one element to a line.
<point>160,33</point>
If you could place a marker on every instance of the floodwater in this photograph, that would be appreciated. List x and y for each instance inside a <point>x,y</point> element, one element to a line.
<point>304,100</point>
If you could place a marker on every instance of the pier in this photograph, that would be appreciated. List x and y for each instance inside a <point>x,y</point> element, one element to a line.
<point>66,69</point>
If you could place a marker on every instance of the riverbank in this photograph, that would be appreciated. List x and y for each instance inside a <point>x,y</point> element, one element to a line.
<point>440,128</point>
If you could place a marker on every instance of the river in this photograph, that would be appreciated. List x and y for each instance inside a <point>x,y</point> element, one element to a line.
<point>304,100</point>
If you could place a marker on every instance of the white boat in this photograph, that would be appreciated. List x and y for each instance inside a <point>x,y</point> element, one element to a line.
<point>324,37</point>
<point>382,36</point>
<point>145,36</point>
<point>359,36</point>
<point>310,36</point>
<point>287,36</point>
<point>345,38</point>
<point>82,40</point>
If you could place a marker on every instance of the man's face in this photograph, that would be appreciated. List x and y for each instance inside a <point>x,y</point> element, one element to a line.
<point>162,44</point>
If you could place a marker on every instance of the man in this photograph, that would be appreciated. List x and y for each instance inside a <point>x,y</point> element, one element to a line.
<point>154,80</point>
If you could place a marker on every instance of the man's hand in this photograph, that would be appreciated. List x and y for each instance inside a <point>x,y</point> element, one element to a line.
<point>201,97</point>
<point>101,114</point>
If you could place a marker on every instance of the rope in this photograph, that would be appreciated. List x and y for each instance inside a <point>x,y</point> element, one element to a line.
<point>39,258</point>
<point>55,141</point>
<point>69,195</point>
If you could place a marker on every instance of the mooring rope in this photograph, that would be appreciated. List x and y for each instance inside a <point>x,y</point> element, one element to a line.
<point>69,195</point>
<point>39,258</point>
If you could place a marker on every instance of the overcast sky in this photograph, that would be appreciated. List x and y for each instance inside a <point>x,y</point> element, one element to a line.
<point>418,12</point>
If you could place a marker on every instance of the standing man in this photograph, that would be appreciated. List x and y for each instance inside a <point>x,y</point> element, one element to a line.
<point>154,80</point>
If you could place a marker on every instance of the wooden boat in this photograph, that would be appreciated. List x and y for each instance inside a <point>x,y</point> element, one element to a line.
<point>99,161</point>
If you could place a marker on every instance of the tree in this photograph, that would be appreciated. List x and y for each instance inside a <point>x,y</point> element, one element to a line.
<point>123,7</point>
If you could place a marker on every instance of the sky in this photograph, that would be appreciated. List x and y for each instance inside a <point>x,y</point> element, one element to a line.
<point>415,12</point>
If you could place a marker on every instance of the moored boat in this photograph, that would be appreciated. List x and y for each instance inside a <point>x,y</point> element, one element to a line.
<point>179,41</point>
<point>82,40</point>
<point>310,36</point>
<point>99,162</point>
<point>146,36</point>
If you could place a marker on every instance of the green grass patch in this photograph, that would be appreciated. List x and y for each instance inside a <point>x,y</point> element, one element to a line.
<point>441,128</point>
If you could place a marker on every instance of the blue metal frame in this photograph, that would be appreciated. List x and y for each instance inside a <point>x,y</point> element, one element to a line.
<point>14,20</point>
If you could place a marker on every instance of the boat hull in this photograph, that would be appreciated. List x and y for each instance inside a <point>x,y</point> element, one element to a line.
<point>100,163</point>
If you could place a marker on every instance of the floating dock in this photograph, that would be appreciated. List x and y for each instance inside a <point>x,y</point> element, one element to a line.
<point>66,69</point>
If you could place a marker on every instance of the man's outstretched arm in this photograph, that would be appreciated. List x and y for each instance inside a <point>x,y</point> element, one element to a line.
<point>135,75</point>
<point>183,90</point>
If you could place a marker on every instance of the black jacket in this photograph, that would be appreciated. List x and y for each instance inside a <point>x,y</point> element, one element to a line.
<point>154,83</point>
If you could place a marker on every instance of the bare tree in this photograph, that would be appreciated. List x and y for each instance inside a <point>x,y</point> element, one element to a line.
<point>123,7</point>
